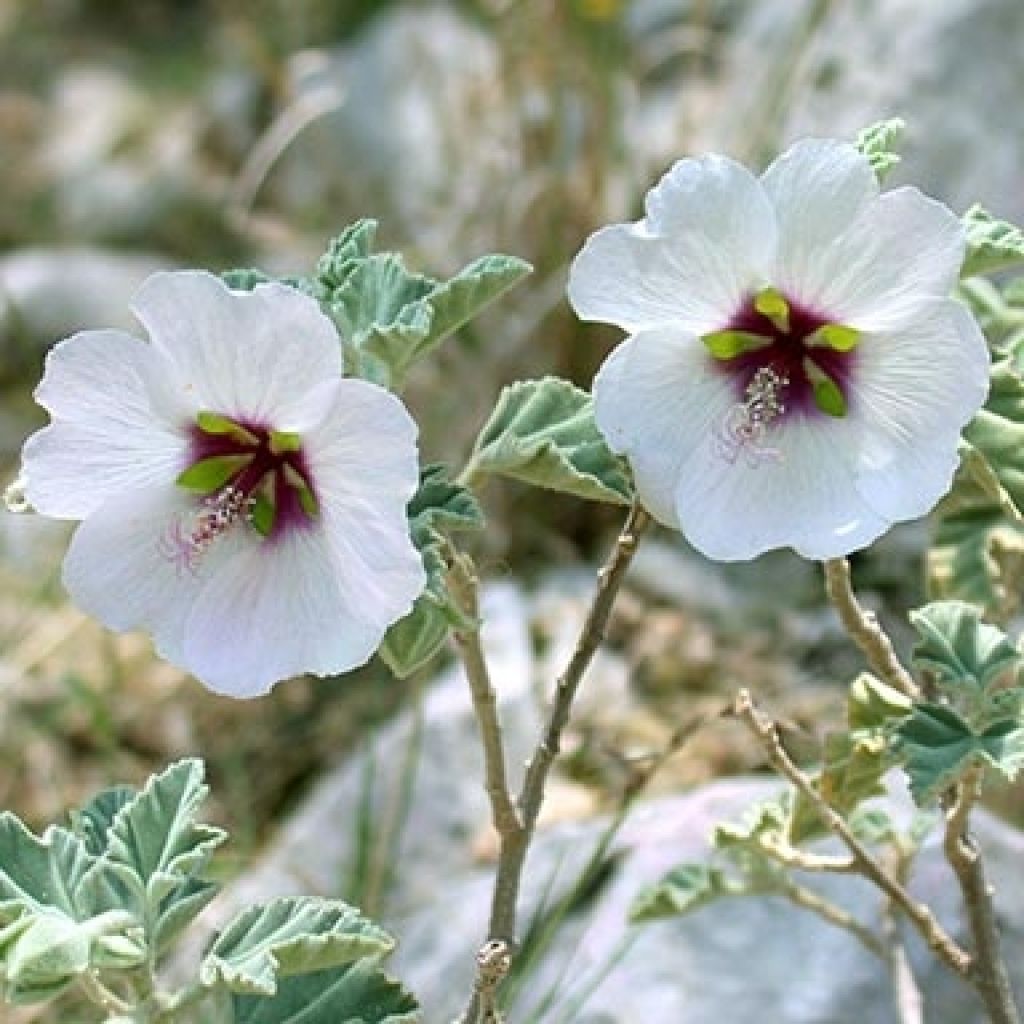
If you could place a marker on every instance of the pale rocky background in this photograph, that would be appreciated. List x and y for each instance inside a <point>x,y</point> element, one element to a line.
<point>445,131</point>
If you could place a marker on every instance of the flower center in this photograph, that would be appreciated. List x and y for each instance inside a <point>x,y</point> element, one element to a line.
<point>813,356</point>
<point>783,358</point>
<point>245,475</point>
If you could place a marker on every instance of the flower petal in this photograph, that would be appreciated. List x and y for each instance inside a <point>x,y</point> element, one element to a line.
<point>319,599</point>
<point>806,498</point>
<point>254,356</point>
<point>817,188</point>
<point>707,241</point>
<point>119,570</point>
<point>114,426</point>
<point>364,462</point>
<point>656,398</point>
<point>902,251</point>
<point>273,610</point>
<point>918,387</point>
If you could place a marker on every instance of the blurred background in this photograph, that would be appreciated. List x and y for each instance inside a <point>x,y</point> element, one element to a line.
<point>142,134</point>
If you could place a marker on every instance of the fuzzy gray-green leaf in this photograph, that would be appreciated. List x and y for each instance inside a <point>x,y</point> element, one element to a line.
<point>543,433</point>
<point>992,244</point>
<point>156,835</point>
<point>266,943</point>
<point>93,821</point>
<point>439,505</point>
<point>359,993</point>
<point>455,302</point>
<point>880,144</point>
<point>683,890</point>
<point>964,655</point>
<point>937,746</point>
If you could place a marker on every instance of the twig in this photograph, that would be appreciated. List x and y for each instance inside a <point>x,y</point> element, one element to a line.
<point>791,857</point>
<point>940,941</point>
<point>464,586</point>
<point>514,841</point>
<point>987,972</point>
<point>609,579</point>
<point>835,915</point>
<point>863,627</point>
<point>906,993</point>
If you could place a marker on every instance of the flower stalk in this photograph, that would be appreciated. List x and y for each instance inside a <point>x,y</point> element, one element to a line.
<point>938,939</point>
<point>864,630</point>
<point>516,823</point>
<point>987,973</point>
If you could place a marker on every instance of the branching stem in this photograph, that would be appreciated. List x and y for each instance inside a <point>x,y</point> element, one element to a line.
<point>940,941</point>
<point>835,915</point>
<point>515,823</point>
<point>987,972</point>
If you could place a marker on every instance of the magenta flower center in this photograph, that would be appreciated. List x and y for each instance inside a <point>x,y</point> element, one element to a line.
<point>244,474</point>
<point>810,355</point>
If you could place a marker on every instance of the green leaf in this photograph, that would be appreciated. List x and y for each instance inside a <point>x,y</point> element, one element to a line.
<point>93,821</point>
<point>353,244</point>
<point>683,890</point>
<point>978,551</point>
<point>992,244</point>
<point>880,143</point>
<point>397,317</point>
<point>853,770</point>
<point>289,936</point>
<point>455,302</point>
<point>179,908</point>
<point>961,652</point>
<point>439,505</point>
<point>997,434</point>
<point>873,826</point>
<point>872,704</point>
<point>57,901</point>
<point>377,291</point>
<point>769,817</point>
<point>543,433</point>
<point>244,279</point>
<point>415,640</point>
<point>937,747</point>
<point>155,836</point>
<point>55,873</point>
<point>357,994</point>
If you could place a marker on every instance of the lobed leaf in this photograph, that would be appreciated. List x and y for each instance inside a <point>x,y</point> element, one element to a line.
<point>880,144</point>
<point>155,835</point>
<point>937,747</point>
<point>992,244</point>
<point>359,993</point>
<point>92,823</point>
<point>977,553</point>
<point>872,704</point>
<point>683,890</point>
<point>264,944</point>
<point>455,302</point>
<point>438,505</point>
<point>543,433</point>
<point>964,655</point>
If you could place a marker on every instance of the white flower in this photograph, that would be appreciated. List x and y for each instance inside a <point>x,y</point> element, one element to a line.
<point>239,498</point>
<point>796,373</point>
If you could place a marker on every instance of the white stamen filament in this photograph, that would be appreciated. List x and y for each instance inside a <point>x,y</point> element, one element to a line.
<point>743,428</point>
<point>190,536</point>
